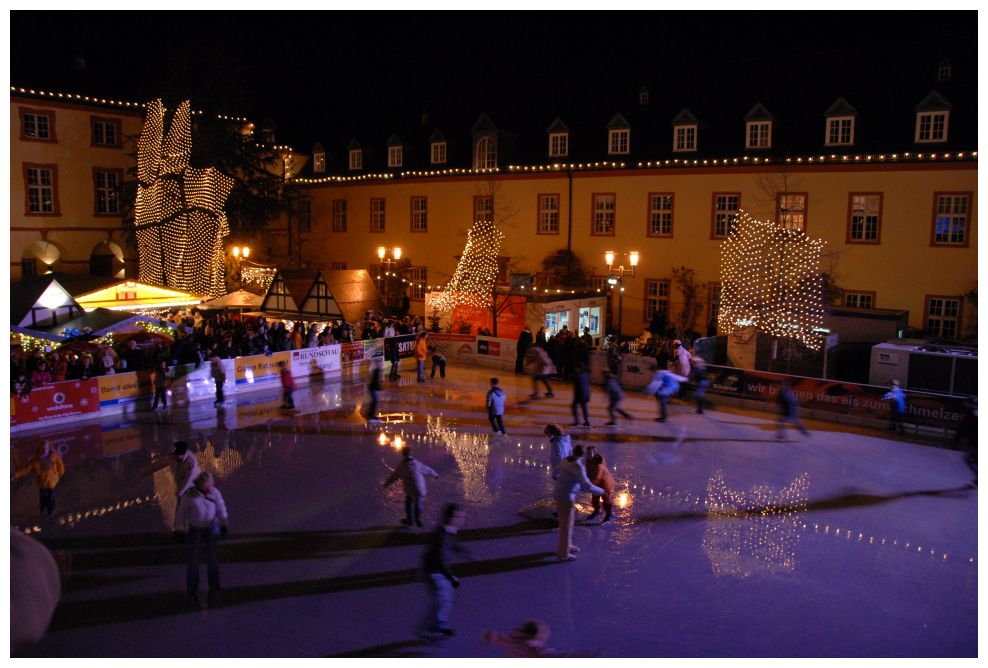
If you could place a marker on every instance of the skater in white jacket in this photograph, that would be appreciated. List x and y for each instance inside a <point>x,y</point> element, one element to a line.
<point>412,474</point>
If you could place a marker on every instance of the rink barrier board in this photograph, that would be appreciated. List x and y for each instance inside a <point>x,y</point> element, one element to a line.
<point>109,395</point>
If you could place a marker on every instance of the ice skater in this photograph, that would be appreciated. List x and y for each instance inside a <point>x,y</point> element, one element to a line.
<point>702,375</point>
<point>439,577</point>
<point>287,386</point>
<point>614,396</point>
<point>374,387</point>
<point>48,468</point>
<point>412,474</point>
<point>202,516</point>
<point>528,640</point>
<point>560,447</point>
<point>599,475</point>
<point>438,362</point>
<point>581,395</point>
<point>538,360</point>
<point>419,352</point>
<point>161,381</point>
<point>572,478</point>
<point>664,384</point>
<point>680,363</point>
<point>495,407</point>
<point>897,406</point>
<point>219,378</point>
<point>789,410</point>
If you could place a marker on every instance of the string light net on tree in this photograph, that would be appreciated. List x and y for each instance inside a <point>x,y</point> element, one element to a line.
<point>770,280</point>
<point>179,213</point>
<point>476,273</point>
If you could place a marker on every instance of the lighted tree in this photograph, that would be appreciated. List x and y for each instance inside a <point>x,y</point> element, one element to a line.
<point>178,213</point>
<point>770,280</point>
<point>475,277</point>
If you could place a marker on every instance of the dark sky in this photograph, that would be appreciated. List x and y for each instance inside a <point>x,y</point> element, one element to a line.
<point>322,74</point>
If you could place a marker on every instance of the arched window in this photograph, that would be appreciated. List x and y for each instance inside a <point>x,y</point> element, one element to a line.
<point>485,156</point>
<point>106,259</point>
<point>40,257</point>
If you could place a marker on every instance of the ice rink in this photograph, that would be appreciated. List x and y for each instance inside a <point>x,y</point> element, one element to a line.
<point>726,542</point>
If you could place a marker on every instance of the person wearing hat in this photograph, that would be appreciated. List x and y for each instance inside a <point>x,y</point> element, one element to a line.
<point>897,405</point>
<point>529,640</point>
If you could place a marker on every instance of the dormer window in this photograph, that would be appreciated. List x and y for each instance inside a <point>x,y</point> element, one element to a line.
<point>318,163</point>
<point>943,70</point>
<point>485,154</point>
<point>840,131</point>
<point>931,126</point>
<point>558,144</point>
<point>356,158</point>
<point>618,141</point>
<point>643,96</point>
<point>684,138</point>
<point>438,153</point>
<point>758,135</point>
<point>394,156</point>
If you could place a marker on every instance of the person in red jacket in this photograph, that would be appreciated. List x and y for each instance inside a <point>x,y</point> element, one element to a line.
<point>48,468</point>
<point>287,386</point>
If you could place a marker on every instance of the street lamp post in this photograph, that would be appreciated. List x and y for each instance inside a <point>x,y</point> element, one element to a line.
<point>388,263</point>
<point>240,253</point>
<point>615,277</point>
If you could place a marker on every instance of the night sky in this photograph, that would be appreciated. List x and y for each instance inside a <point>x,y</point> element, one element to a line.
<point>323,75</point>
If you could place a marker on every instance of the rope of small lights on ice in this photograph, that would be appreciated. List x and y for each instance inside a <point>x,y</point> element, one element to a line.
<point>719,502</point>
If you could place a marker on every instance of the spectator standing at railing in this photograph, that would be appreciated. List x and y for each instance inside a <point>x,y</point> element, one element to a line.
<point>21,385</point>
<point>389,329</point>
<point>108,361</point>
<point>59,367</point>
<point>540,337</point>
<point>161,378</point>
<point>524,341</point>
<point>662,355</point>
<point>312,340</point>
<point>41,375</point>
<point>298,338</point>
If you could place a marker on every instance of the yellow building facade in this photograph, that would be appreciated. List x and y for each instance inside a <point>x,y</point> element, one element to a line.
<point>900,230</point>
<point>68,156</point>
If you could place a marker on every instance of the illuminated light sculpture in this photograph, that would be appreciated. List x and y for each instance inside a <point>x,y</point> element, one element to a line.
<point>770,281</point>
<point>179,212</point>
<point>475,276</point>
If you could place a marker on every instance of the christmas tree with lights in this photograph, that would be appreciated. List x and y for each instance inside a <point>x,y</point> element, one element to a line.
<point>474,280</point>
<point>179,210</point>
<point>770,281</point>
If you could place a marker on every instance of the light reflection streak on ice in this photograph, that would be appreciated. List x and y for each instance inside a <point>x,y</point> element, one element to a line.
<point>471,454</point>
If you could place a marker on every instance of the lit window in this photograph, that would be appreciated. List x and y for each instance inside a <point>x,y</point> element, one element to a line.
<point>790,210</point>
<point>865,218</point>
<point>931,126</point>
<point>107,186</point>
<point>356,159</point>
<point>377,207</point>
<point>859,299</point>
<point>558,144</point>
<point>603,213</point>
<point>419,278</point>
<point>643,96</point>
<point>394,156</point>
<point>684,138</point>
<point>339,265</point>
<point>37,125</point>
<point>106,132</point>
<point>438,152</point>
<point>840,131</point>
<point>942,316</point>
<point>950,220</point>
<point>40,189</point>
<point>660,215</point>
<point>483,208</point>
<point>656,298</point>
<point>420,214</point>
<point>485,157</point>
<point>549,214</point>
<point>618,141</point>
<point>339,215</point>
<point>759,135</point>
<point>318,162</point>
<point>725,213</point>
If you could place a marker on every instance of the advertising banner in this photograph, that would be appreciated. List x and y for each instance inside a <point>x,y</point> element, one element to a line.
<point>458,348</point>
<point>259,368</point>
<point>351,353</point>
<point>405,342</point>
<point>373,348</point>
<point>322,361</point>
<point>58,400</point>
<point>124,388</point>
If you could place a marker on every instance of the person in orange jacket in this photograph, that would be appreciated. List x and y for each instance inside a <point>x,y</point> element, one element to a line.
<point>420,352</point>
<point>48,468</point>
<point>599,475</point>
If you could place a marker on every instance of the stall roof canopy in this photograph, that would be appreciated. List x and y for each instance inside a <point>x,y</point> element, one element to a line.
<point>325,295</point>
<point>99,322</point>
<point>238,299</point>
<point>36,301</point>
<point>131,295</point>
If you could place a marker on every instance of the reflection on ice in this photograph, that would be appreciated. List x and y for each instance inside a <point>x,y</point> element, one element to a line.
<point>754,531</point>
<point>472,452</point>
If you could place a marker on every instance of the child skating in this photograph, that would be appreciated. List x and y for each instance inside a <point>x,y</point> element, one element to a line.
<point>495,407</point>
<point>412,474</point>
